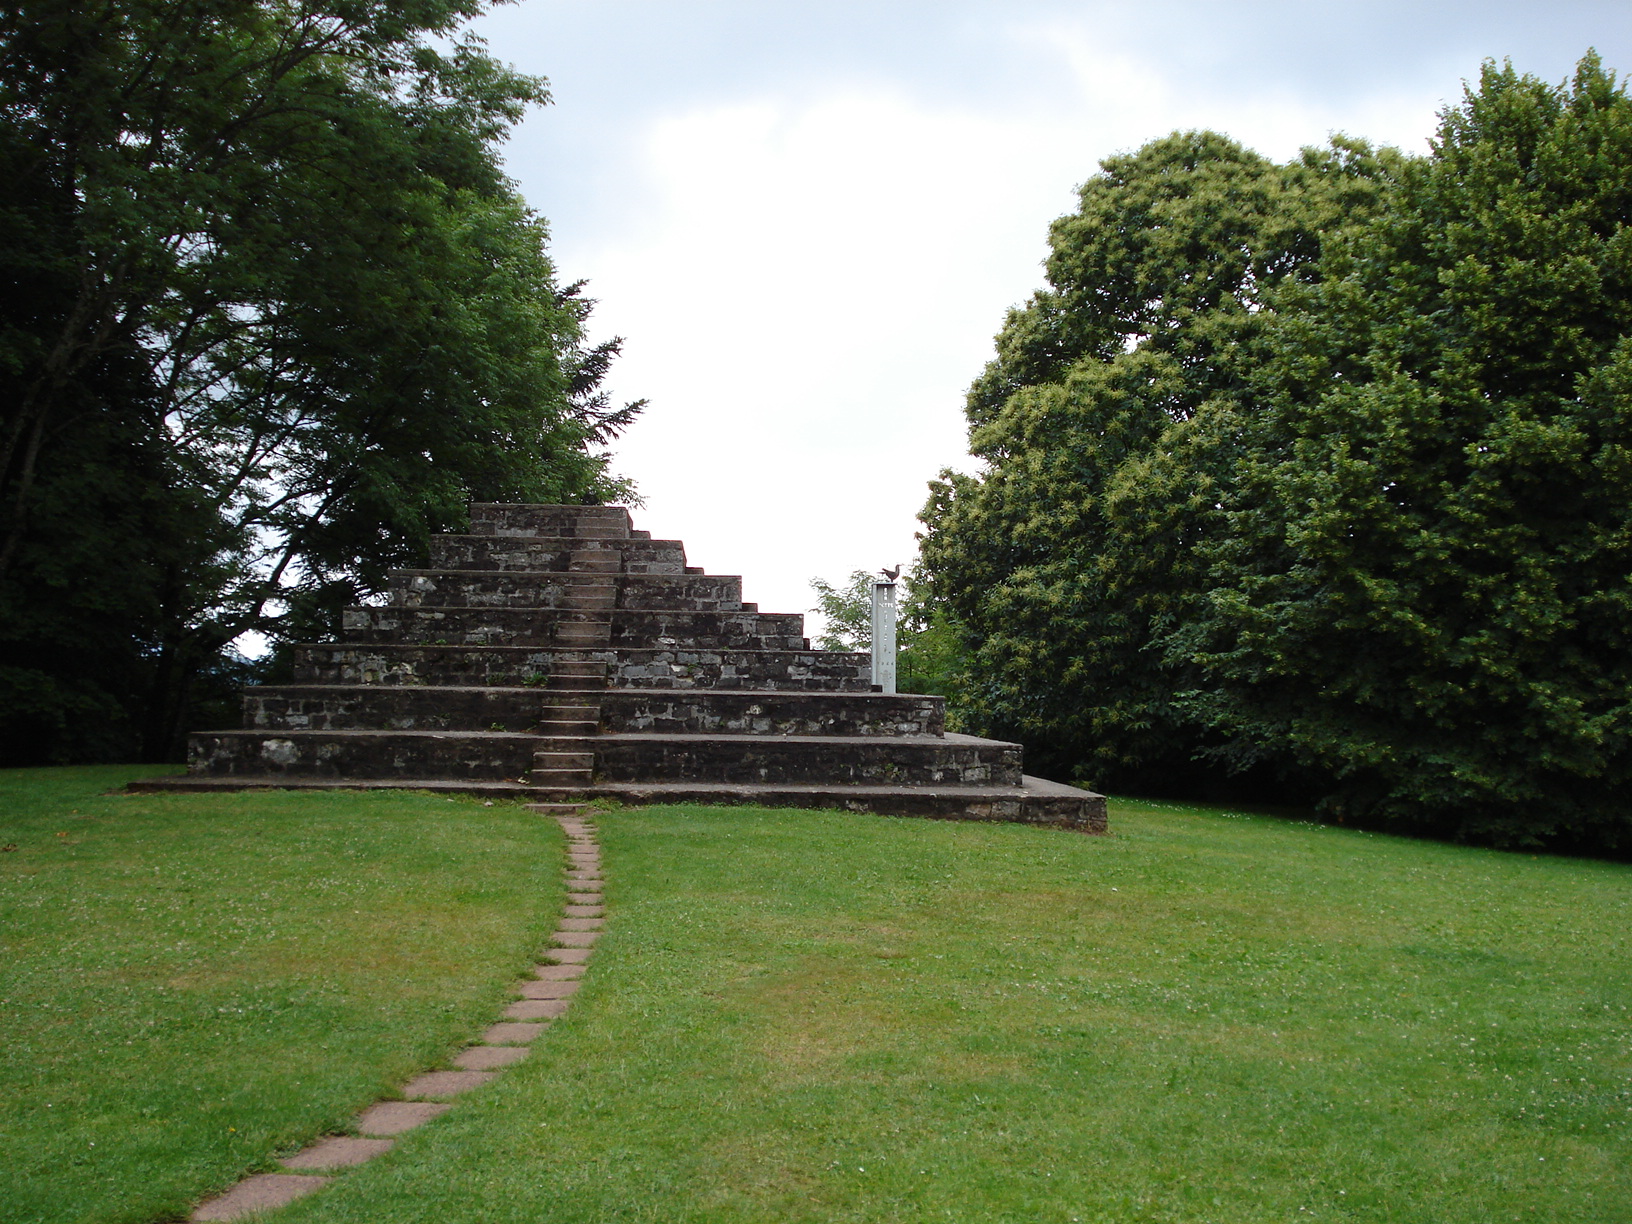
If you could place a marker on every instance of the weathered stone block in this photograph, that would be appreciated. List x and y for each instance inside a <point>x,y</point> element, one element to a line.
<point>731,712</point>
<point>362,754</point>
<point>572,522</point>
<point>878,760</point>
<point>397,708</point>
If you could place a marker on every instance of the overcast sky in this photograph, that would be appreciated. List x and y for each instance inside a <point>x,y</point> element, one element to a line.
<point>807,219</point>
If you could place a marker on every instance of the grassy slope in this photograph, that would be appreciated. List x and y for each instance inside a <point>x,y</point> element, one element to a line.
<point>823,1017</point>
<point>191,984</point>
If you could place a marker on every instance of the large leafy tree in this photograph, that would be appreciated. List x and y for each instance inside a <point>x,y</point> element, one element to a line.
<point>272,315</point>
<point>1061,576</point>
<point>1425,589</point>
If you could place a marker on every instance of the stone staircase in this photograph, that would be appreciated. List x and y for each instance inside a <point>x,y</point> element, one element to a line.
<point>559,655</point>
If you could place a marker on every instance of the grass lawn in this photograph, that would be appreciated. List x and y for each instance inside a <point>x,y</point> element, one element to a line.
<point>192,985</point>
<point>1206,1017</point>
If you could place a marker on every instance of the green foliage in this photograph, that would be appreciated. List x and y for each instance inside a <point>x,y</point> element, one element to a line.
<point>1424,590</point>
<point>1319,474</point>
<point>273,315</point>
<point>928,644</point>
<point>847,612</point>
<point>1155,309</point>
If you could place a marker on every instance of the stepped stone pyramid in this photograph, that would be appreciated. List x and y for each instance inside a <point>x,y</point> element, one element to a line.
<point>559,655</point>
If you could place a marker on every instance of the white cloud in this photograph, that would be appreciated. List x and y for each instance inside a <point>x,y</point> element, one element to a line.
<point>817,286</point>
<point>817,280</point>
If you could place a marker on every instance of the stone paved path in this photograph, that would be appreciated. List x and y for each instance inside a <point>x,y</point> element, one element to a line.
<point>506,1042</point>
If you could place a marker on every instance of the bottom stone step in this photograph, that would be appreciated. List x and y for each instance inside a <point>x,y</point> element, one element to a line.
<point>208,783</point>
<point>1037,801</point>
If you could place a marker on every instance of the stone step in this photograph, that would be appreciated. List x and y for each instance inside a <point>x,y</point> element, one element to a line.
<point>570,666</point>
<point>547,665</point>
<point>634,629</point>
<point>540,554</point>
<point>595,561</point>
<point>1033,801</point>
<point>576,712</point>
<point>509,588</point>
<point>408,708</point>
<point>560,779</point>
<point>629,629</point>
<point>747,712</point>
<point>564,760</point>
<point>458,755</point>
<point>544,711</point>
<point>481,788</point>
<point>953,760</point>
<point>573,522</point>
<point>578,628</point>
<point>575,728</point>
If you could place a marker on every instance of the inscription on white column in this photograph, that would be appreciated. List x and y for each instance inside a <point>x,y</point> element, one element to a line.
<point>884,635</point>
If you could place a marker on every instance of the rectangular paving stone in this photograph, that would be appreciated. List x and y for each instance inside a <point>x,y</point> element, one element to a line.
<point>394,1117</point>
<point>549,990</point>
<point>535,1009</point>
<point>489,1057</point>
<point>582,911</point>
<point>585,877</point>
<point>575,939</point>
<point>584,897</point>
<point>582,924</point>
<point>569,956</point>
<point>558,973</point>
<point>445,1083</point>
<point>262,1192</point>
<point>338,1152</point>
<point>505,1032</point>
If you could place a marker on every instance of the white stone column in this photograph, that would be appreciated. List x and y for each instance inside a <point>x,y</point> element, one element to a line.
<point>883,635</point>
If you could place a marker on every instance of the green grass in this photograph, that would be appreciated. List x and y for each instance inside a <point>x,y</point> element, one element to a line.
<point>809,1016</point>
<point>192,985</point>
<point>1206,1017</point>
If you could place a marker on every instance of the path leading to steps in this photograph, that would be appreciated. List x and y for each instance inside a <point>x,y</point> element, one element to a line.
<point>543,998</point>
